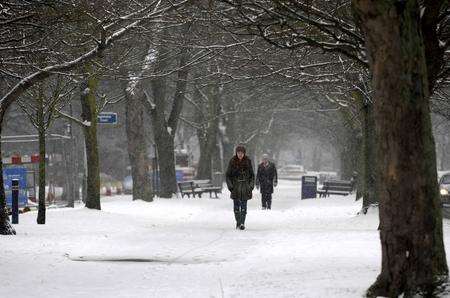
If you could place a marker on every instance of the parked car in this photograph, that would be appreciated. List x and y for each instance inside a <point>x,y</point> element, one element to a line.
<point>291,172</point>
<point>444,188</point>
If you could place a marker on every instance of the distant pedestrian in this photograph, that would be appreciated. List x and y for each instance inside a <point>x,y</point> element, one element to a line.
<point>240,181</point>
<point>266,180</point>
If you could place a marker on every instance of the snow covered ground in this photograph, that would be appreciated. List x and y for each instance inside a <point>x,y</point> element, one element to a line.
<point>189,248</point>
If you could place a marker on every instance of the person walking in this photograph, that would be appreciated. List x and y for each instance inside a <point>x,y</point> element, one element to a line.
<point>240,182</point>
<point>266,180</point>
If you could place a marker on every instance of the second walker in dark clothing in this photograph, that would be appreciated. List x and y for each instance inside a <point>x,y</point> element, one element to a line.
<point>266,179</point>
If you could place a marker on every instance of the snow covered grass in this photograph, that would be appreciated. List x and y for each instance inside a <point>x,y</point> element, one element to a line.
<point>189,248</point>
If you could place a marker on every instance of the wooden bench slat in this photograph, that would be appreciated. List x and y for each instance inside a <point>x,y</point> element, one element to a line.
<point>198,187</point>
<point>337,187</point>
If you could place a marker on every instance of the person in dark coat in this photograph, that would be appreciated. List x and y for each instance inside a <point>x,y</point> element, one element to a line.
<point>266,180</point>
<point>240,182</point>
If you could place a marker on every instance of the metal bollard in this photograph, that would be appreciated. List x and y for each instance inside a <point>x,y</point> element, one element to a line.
<point>15,201</point>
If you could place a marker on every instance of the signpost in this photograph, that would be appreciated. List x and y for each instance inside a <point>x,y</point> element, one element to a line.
<point>20,174</point>
<point>309,187</point>
<point>15,201</point>
<point>107,118</point>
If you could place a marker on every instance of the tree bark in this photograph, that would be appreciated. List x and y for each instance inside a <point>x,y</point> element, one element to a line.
<point>5,225</point>
<point>164,130</point>
<point>137,148</point>
<point>135,130</point>
<point>413,255</point>
<point>317,159</point>
<point>217,160</point>
<point>348,157</point>
<point>89,115</point>
<point>207,135</point>
<point>204,167</point>
<point>41,132</point>
<point>369,158</point>
<point>73,190</point>
<point>165,148</point>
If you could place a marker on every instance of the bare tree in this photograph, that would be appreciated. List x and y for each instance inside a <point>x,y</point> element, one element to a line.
<point>42,105</point>
<point>105,29</point>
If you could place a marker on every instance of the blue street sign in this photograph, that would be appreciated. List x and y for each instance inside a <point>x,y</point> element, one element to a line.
<point>107,118</point>
<point>19,173</point>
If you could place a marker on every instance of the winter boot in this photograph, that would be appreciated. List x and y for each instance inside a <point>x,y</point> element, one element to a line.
<point>242,226</point>
<point>237,216</point>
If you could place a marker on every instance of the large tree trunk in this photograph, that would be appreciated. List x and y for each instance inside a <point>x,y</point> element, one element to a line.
<point>164,130</point>
<point>348,158</point>
<point>89,116</point>
<point>369,159</point>
<point>137,148</point>
<point>413,255</point>
<point>349,146</point>
<point>204,168</point>
<point>229,136</point>
<point>73,189</point>
<point>217,159</point>
<point>317,159</point>
<point>166,160</point>
<point>207,136</point>
<point>209,160</point>
<point>135,130</point>
<point>41,208</point>
<point>164,140</point>
<point>41,127</point>
<point>5,225</point>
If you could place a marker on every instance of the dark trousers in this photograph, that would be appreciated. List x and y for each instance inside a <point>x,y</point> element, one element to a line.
<point>266,199</point>
<point>240,210</point>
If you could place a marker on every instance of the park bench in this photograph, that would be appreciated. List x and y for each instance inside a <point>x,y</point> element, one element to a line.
<point>187,188</point>
<point>335,187</point>
<point>198,187</point>
<point>207,186</point>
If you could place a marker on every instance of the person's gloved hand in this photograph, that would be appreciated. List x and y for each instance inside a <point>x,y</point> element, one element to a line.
<point>275,184</point>
<point>257,186</point>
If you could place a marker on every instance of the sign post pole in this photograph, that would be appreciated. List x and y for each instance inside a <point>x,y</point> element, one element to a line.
<point>15,201</point>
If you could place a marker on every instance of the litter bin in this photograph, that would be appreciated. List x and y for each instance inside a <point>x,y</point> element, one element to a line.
<point>309,187</point>
<point>217,179</point>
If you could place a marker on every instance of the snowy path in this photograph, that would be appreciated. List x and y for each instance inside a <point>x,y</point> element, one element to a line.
<point>189,248</point>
